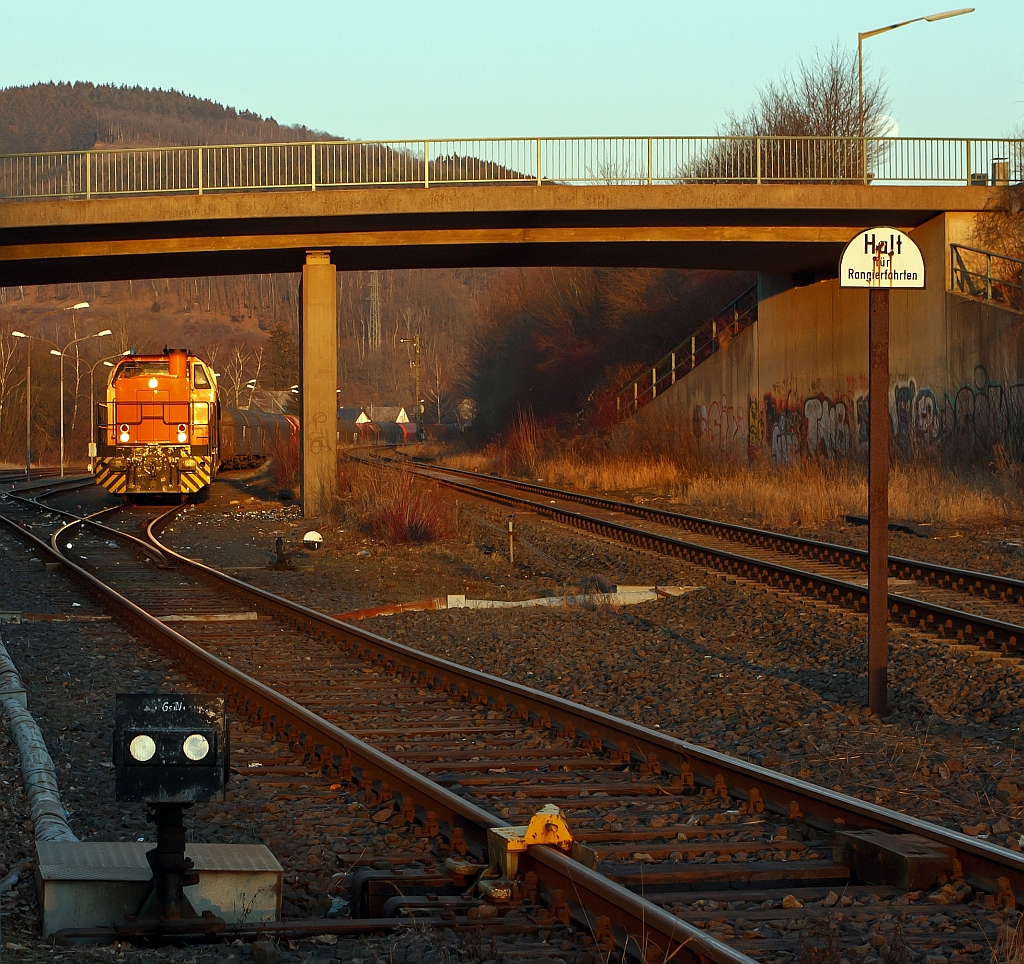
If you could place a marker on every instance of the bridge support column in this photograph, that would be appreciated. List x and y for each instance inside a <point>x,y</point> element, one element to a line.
<point>318,383</point>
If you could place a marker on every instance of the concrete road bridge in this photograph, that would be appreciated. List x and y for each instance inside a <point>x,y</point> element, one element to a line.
<point>784,206</point>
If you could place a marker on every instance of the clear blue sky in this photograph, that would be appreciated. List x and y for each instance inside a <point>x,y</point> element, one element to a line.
<point>406,68</point>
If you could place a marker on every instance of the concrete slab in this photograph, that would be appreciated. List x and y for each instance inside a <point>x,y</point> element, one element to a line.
<point>92,884</point>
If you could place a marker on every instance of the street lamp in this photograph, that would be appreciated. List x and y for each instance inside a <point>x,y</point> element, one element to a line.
<point>60,354</point>
<point>861,37</point>
<point>28,401</point>
<point>92,402</point>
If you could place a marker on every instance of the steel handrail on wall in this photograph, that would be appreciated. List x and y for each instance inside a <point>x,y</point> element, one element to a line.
<point>320,165</point>
<point>709,338</point>
<point>987,276</point>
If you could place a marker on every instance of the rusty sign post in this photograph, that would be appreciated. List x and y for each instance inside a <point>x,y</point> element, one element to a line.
<point>879,259</point>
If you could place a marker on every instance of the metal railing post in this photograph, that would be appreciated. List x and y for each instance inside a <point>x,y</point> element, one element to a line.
<point>650,162</point>
<point>988,277</point>
<point>312,165</point>
<point>654,383</point>
<point>636,403</point>
<point>426,167</point>
<point>538,163</point>
<point>693,352</point>
<point>199,169</point>
<point>673,368</point>
<point>967,173</point>
<point>88,175</point>
<point>864,157</point>
<point>758,145</point>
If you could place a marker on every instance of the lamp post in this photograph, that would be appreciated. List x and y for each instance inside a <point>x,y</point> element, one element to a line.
<point>28,401</point>
<point>60,354</point>
<point>92,403</point>
<point>861,37</point>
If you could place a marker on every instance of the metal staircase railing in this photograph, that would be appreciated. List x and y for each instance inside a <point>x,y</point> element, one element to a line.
<point>709,338</point>
<point>987,276</point>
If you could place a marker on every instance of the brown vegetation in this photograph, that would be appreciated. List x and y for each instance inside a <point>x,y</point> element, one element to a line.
<point>804,493</point>
<point>397,508</point>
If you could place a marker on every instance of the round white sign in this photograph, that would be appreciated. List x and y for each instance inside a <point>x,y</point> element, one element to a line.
<point>881,258</point>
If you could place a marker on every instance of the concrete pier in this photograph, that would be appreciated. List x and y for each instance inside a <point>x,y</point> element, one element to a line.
<point>318,383</point>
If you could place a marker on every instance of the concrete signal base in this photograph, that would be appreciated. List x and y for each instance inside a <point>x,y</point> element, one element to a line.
<point>87,884</point>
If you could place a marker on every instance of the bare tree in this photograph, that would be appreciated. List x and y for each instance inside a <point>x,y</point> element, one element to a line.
<point>821,101</point>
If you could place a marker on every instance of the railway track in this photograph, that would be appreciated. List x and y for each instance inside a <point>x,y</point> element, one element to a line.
<point>972,607</point>
<point>680,851</point>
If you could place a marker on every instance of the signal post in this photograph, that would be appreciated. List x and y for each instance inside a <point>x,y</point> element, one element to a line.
<point>879,259</point>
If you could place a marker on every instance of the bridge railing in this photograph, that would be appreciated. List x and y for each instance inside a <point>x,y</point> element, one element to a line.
<point>712,336</point>
<point>322,165</point>
<point>987,276</point>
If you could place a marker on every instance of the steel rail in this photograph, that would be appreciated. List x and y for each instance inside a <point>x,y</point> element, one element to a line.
<point>981,861</point>
<point>930,617</point>
<point>641,745</point>
<point>947,577</point>
<point>642,923</point>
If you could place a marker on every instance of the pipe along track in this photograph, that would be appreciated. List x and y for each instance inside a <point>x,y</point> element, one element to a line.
<point>675,830</point>
<point>1001,595</point>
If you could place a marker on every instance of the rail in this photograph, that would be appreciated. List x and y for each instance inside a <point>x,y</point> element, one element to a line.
<point>987,276</point>
<point>709,338</point>
<point>319,165</point>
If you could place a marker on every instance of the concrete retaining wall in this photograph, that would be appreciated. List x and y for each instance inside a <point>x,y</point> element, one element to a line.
<point>794,384</point>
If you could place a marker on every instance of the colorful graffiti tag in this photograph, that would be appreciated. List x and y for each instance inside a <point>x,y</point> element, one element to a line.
<point>972,421</point>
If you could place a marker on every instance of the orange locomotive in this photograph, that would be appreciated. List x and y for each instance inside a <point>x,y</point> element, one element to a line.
<point>158,430</point>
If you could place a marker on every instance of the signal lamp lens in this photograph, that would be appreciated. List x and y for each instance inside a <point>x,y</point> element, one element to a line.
<point>182,426</point>
<point>124,437</point>
<point>142,748</point>
<point>153,383</point>
<point>123,426</point>
<point>196,747</point>
<point>182,437</point>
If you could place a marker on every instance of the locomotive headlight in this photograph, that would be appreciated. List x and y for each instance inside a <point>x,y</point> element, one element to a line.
<point>182,437</point>
<point>124,437</point>
<point>153,383</point>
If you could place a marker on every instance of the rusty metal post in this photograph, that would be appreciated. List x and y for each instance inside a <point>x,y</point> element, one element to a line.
<point>878,501</point>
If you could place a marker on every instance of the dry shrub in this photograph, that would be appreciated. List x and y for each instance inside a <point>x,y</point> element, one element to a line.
<point>283,454</point>
<point>397,507</point>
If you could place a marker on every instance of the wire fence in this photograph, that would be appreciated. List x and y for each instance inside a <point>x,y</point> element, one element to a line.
<point>320,165</point>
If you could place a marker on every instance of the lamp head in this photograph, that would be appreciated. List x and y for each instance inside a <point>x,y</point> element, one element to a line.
<point>109,364</point>
<point>81,304</point>
<point>19,334</point>
<point>53,351</point>
<point>931,18</point>
<point>106,331</point>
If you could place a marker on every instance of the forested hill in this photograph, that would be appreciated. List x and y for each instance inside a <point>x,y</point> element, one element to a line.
<point>79,116</point>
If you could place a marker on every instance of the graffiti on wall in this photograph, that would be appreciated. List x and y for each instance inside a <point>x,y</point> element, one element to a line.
<point>718,426</point>
<point>970,421</point>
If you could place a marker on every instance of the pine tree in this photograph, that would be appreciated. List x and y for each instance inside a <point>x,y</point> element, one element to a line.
<point>282,359</point>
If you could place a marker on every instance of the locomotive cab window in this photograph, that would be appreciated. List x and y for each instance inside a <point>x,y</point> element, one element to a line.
<point>199,377</point>
<point>140,369</point>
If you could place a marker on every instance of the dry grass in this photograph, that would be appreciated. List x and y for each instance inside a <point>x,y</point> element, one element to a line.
<point>398,508</point>
<point>807,493</point>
